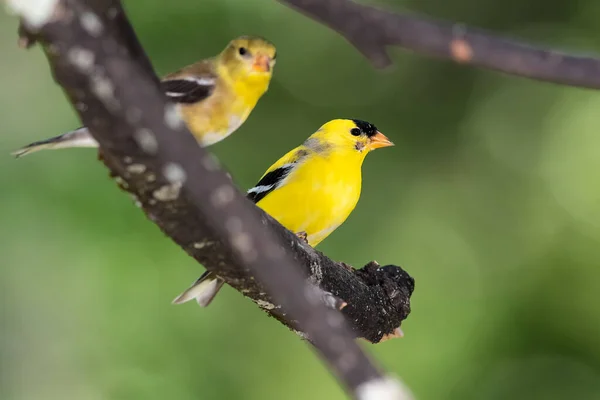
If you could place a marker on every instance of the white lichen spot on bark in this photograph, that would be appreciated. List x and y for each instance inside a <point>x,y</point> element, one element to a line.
<point>172,117</point>
<point>105,90</point>
<point>136,168</point>
<point>266,305</point>
<point>81,58</point>
<point>383,389</point>
<point>167,192</point>
<point>35,13</point>
<point>242,242</point>
<point>203,244</point>
<point>301,334</point>
<point>127,160</point>
<point>121,182</point>
<point>222,196</point>
<point>150,178</point>
<point>174,173</point>
<point>91,23</point>
<point>146,140</point>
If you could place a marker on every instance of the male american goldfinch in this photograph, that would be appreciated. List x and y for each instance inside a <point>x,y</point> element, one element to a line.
<point>311,190</point>
<point>213,96</point>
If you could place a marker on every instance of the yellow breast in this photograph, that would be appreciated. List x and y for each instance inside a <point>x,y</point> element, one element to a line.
<point>316,197</point>
<point>218,116</point>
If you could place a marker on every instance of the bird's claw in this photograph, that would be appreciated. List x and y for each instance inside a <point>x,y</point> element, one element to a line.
<point>396,333</point>
<point>303,236</point>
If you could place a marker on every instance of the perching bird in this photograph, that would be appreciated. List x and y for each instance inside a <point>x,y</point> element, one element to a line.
<point>311,190</point>
<point>213,96</point>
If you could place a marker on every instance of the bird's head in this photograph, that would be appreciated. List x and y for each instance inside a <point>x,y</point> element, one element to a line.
<point>353,135</point>
<point>249,58</point>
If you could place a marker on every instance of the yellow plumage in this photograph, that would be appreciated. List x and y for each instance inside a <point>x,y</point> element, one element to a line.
<point>322,190</point>
<point>311,190</point>
<point>214,96</point>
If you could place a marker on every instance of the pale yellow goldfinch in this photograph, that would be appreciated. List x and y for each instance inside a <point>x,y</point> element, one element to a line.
<point>311,190</point>
<point>213,96</point>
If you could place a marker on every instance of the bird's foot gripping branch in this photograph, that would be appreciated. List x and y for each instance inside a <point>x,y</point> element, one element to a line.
<point>96,57</point>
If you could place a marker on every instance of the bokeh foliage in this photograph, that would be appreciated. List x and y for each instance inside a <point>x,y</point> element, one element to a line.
<point>490,200</point>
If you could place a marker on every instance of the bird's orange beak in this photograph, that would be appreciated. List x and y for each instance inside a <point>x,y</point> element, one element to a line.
<point>262,63</point>
<point>378,141</point>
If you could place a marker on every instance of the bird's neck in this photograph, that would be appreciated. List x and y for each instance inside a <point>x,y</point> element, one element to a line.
<point>254,86</point>
<point>249,88</point>
<point>344,157</point>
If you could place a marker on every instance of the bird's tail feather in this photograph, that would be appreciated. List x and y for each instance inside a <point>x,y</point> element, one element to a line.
<point>78,138</point>
<point>203,290</point>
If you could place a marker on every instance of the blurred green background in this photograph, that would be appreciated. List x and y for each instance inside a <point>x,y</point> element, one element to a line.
<point>490,200</point>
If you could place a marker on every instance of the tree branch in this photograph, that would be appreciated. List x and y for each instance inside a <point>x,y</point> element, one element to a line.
<point>96,58</point>
<point>371,30</point>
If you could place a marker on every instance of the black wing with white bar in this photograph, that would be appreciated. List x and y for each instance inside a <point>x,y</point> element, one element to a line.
<point>269,182</point>
<point>188,90</point>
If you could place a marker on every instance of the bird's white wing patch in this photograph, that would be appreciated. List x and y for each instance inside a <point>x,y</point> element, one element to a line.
<point>261,188</point>
<point>270,182</point>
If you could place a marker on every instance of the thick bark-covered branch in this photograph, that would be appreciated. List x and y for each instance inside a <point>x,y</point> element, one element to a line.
<point>182,188</point>
<point>371,30</point>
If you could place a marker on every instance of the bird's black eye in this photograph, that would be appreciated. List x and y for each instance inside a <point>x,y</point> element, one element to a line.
<point>243,51</point>
<point>274,56</point>
<point>355,131</point>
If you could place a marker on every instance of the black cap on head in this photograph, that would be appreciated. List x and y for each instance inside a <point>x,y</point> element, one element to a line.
<point>366,127</point>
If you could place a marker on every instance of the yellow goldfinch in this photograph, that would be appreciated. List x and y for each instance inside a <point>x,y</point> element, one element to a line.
<point>311,190</point>
<point>213,96</point>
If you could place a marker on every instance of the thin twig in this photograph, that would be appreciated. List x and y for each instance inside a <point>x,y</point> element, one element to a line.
<point>372,30</point>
